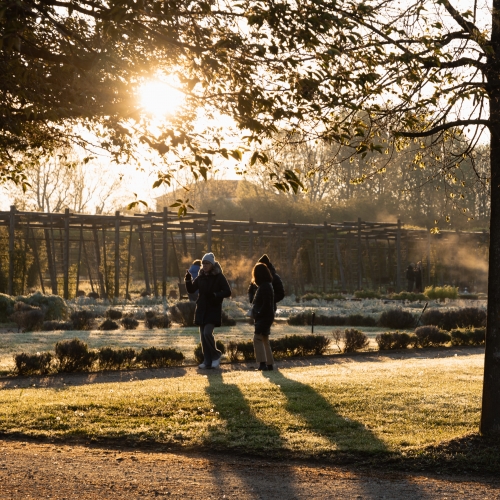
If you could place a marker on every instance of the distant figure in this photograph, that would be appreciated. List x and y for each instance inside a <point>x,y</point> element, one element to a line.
<point>213,288</point>
<point>279,291</point>
<point>263,314</point>
<point>194,270</point>
<point>418,277</point>
<point>410,277</point>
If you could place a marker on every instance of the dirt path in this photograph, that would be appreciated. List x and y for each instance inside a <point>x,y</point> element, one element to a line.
<point>39,470</point>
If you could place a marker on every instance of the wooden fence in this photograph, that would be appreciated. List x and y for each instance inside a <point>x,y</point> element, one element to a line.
<point>56,252</point>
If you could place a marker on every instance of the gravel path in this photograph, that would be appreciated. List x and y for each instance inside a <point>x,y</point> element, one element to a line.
<point>43,470</point>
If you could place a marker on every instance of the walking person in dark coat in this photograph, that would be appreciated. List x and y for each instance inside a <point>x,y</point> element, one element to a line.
<point>213,287</point>
<point>418,278</point>
<point>263,314</point>
<point>410,277</point>
<point>279,291</point>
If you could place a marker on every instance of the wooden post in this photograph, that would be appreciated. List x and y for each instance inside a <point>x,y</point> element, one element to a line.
<point>66,254</point>
<point>144,260</point>
<point>102,291</point>
<point>325,256</point>
<point>370,261</point>
<point>50,258</point>
<point>79,263</point>
<point>88,266</point>
<point>25,253</point>
<point>127,282</point>
<point>398,257</point>
<point>360,257</point>
<point>250,238</point>
<point>175,256</point>
<point>12,226</point>
<point>209,232</point>
<point>339,259</point>
<point>153,259</point>
<point>117,254</point>
<point>165,252</point>
<point>195,243</point>
<point>184,240</point>
<point>428,259</point>
<point>105,263</point>
<point>37,260</point>
<point>289,253</point>
<point>55,285</point>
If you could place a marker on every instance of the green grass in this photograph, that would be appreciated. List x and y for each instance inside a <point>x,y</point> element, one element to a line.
<point>363,405</point>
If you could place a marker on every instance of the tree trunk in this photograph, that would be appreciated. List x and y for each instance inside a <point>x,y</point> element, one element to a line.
<point>490,414</point>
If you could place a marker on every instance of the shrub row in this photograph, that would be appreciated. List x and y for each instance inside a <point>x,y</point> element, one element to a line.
<point>288,346</point>
<point>75,356</point>
<point>460,318</point>
<point>305,318</point>
<point>430,336</point>
<point>328,297</point>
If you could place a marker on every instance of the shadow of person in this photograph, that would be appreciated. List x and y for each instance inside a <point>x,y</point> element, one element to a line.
<point>242,430</point>
<point>322,417</point>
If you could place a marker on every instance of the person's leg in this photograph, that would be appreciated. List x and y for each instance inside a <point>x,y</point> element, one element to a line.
<point>268,352</point>
<point>211,353</point>
<point>260,353</point>
<point>207,361</point>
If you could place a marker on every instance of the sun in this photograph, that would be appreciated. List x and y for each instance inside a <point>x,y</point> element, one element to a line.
<point>159,98</point>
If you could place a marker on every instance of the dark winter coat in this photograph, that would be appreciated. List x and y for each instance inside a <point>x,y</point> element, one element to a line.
<point>279,291</point>
<point>263,309</point>
<point>213,288</point>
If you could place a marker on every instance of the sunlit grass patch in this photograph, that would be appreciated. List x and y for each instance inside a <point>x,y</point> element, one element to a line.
<point>362,405</point>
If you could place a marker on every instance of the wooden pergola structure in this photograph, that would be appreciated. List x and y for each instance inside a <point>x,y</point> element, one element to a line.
<point>66,248</point>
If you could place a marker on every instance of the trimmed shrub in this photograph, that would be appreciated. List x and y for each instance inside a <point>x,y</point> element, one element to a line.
<point>397,318</point>
<point>6,307</point>
<point>311,296</point>
<point>115,359</point>
<point>114,314</point>
<point>51,326</point>
<point>183,313</point>
<point>458,318</point>
<point>220,345</point>
<point>305,318</point>
<point>154,357</point>
<point>26,317</point>
<point>394,340</point>
<point>53,306</point>
<point>431,336</point>
<point>109,324</point>
<point>93,295</point>
<point>129,323</point>
<point>232,351</point>
<point>226,320</point>
<point>360,320</point>
<point>246,350</point>
<point>468,337</point>
<point>409,296</point>
<point>74,356</point>
<point>441,292</point>
<point>366,294</point>
<point>82,320</point>
<point>33,364</point>
<point>198,353</point>
<point>155,320</point>
<point>384,341</point>
<point>354,340</point>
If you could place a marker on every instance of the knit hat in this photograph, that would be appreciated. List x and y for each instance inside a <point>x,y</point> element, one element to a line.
<point>265,259</point>
<point>209,257</point>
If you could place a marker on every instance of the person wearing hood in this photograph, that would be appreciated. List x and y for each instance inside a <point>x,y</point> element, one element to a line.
<point>212,287</point>
<point>194,270</point>
<point>263,314</point>
<point>279,291</point>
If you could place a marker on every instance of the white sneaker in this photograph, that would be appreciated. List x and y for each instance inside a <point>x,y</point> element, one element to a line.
<point>202,366</point>
<point>216,362</point>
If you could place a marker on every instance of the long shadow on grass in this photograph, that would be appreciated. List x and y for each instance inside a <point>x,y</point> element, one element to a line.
<point>242,432</point>
<point>323,418</point>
